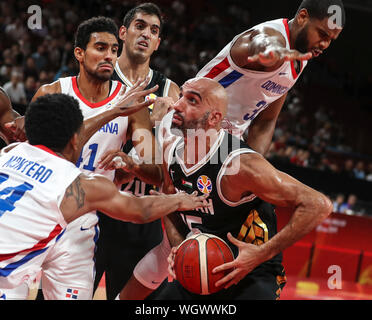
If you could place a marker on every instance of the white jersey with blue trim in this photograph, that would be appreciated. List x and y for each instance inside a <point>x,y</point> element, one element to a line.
<point>250,92</point>
<point>33,181</point>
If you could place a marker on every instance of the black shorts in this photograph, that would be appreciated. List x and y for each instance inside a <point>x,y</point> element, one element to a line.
<point>119,248</point>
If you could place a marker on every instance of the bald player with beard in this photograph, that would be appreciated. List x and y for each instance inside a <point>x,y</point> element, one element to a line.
<point>205,158</point>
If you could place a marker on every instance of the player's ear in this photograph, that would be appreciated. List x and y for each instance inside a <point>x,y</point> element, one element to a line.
<point>302,17</point>
<point>122,33</point>
<point>215,117</point>
<point>79,54</point>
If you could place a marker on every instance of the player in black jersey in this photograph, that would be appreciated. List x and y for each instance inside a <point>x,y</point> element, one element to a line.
<point>241,185</point>
<point>122,244</point>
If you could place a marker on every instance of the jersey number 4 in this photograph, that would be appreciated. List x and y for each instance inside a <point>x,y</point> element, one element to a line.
<point>14,194</point>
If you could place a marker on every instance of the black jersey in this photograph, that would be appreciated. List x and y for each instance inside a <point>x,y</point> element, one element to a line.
<point>251,219</point>
<point>136,186</point>
<point>122,244</point>
<point>157,78</point>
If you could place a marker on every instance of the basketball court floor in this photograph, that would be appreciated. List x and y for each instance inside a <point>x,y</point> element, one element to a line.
<point>303,289</point>
<point>295,289</point>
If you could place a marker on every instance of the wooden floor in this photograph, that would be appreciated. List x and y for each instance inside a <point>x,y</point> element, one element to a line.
<point>295,289</point>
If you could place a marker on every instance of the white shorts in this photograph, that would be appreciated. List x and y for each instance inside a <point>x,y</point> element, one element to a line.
<point>19,273</point>
<point>68,270</point>
<point>19,293</point>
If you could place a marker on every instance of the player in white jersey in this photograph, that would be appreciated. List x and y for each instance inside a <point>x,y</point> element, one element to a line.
<point>43,191</point>
<point>96,47</point>
<point>257,68</point>
<point>260,65</point>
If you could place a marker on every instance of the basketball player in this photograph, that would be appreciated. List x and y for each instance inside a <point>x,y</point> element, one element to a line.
<point>260,65</point>
<point>46,191</point>
<point>257,69</point>
<point>235,178</point>
<point>96,47</point>
<point>11,122</point>
<point>122,244</point>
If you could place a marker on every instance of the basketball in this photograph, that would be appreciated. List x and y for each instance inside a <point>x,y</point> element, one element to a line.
<point>195,259</point>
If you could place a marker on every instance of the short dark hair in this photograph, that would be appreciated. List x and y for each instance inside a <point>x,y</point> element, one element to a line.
<point>318,9</point>
<point>147,8</point>
<point>95,24</point>
<point>52,120</point>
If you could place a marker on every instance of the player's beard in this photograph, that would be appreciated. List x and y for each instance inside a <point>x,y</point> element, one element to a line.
<point>302,42</point>
<point>136,57</point>
<point>191,126</point>
<point>100,76</point>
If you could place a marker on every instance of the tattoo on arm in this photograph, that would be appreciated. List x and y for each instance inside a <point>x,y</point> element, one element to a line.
<point>76,191</point>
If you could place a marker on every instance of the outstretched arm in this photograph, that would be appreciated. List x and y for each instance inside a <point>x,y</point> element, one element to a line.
<point>96,192</point>
<point>260,132</point>
<point>129,102</point>
<point>258,176</point>
<point>264,50</point>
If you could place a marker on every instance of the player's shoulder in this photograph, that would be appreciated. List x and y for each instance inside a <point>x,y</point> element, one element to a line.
<point>49,88</point>
<point>272,28</point>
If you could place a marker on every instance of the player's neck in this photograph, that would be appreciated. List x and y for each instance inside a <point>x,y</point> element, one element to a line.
<point>292,31</point>
<point>132,69</point>
<point>92,89</point>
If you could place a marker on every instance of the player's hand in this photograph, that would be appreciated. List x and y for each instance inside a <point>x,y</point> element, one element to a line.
<point>131,100</point>
<point>160,109</point>
<point>187,201</point>
<point>170,260</point>
<point>270,57</point>
<point>249,257</point>
<point>192,201</point>
<point>17,129</point>
<point>116,159</point>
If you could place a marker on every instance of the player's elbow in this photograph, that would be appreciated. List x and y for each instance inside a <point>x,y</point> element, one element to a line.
<point>323,205</point>
<point>144,214</point>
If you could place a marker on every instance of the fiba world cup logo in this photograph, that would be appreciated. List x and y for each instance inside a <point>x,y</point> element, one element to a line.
<point>204,184</point>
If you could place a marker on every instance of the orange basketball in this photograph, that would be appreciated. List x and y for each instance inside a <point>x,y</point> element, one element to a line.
<point>196,257</point>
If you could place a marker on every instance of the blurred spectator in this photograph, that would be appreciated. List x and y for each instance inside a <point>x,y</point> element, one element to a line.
<point>15,89</point>
<point>338,202</point>
<point>30,69</point>
<point>369,172</point>
<point>30,88</point>
<point>359,170</point>
<point>6,70</point>
<point>16,29</point>
<point>324,164</point>
<point>40,57</point>
<point>347,170</point>
<point>349,206</point>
